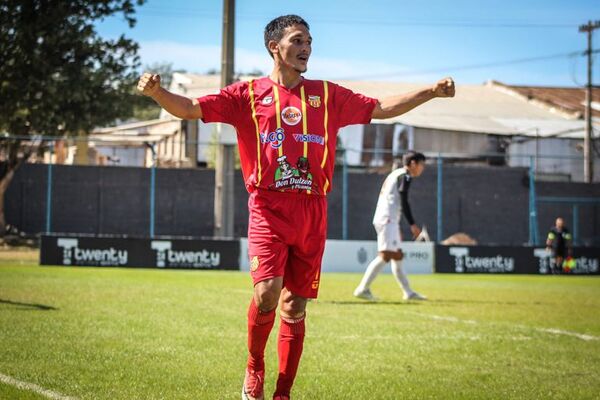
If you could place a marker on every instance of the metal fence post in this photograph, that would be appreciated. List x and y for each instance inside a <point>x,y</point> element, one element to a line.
<point>440,231</point>
<point>49,192</point>
<point>152,147</point>
<point>533,236</point>
<point>575,224</point>
<point>152,190</point>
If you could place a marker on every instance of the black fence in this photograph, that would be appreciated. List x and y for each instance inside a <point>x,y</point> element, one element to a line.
<point>488,203</point>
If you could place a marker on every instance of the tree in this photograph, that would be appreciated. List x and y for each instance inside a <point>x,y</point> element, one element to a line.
<point>57,76</point>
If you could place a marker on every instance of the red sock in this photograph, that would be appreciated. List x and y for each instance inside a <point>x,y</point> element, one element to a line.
<point>259,327</point>
<point>289,346</point>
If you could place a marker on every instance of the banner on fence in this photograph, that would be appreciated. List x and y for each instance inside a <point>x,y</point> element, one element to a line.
<point>511,260</point>
<point>75,250</point>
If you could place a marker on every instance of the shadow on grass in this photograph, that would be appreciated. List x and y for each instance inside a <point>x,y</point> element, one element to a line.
<point>28,305</point>
<point>368,303</point>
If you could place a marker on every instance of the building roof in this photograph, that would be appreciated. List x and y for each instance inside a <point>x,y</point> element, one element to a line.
<point>486,108</point>
<point>562,99</point>
<point>136,133</point>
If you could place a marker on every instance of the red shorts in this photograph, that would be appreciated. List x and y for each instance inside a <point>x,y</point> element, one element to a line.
<point>286,237</point>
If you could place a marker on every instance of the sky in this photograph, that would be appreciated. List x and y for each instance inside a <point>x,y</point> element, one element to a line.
<point>408,41</point>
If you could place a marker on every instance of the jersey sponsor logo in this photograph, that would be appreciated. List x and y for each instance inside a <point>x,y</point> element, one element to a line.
<point>275,139</point>
<point>288,177</point>
<point>314,101</point>
<point>267,101</point>
<point>298,137</point>
<point>291,115</point>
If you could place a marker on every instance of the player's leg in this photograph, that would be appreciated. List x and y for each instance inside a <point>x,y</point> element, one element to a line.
<point>399,274</point>
<point>363,290</point>
<point>301,282</point>
<point>558,262</point>
<point>268,257</point>
<point>261,317</point>
<point>291,339</point>
<point>402,279</point>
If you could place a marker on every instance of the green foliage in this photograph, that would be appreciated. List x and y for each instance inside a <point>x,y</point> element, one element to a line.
<point>57,76</point>
<point>164,334</point>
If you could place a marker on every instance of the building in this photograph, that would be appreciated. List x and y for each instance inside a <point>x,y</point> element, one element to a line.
<point>491,123</point>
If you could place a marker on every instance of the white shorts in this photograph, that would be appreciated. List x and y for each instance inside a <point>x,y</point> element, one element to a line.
<point>388,236</point>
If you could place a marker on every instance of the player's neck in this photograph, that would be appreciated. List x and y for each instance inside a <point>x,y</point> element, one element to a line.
<point>286,77</point>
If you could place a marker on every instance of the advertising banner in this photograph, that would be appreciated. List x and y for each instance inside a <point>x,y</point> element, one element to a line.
<point>70,250</point>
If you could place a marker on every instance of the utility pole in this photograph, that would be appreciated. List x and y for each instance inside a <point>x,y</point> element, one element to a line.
<point>588,159</point>
<point>225,162</point>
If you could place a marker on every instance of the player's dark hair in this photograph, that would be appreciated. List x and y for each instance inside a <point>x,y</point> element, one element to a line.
<point>412,155</point>
<point>274,29</point>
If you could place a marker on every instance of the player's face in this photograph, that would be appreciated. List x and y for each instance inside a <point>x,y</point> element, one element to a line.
<point>560,223</point>
<point>294,48</point>
<point>415,169</point>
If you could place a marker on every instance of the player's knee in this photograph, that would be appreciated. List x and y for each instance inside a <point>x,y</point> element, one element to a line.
<point>398,256</point>
<point>293,307</point>
<point>266,296</point>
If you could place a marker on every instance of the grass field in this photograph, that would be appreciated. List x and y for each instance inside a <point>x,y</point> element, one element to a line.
<point>100,333</point>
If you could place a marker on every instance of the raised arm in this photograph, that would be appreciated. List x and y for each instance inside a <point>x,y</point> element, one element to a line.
<point>180,106</point>
<point>398,105</point>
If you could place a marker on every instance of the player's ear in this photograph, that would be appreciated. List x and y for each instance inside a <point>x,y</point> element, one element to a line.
<point>273,47</point>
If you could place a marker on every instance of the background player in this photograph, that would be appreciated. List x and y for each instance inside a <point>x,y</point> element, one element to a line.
<point>392,204</point>
<point>285,115</point>
<point>559,244</point>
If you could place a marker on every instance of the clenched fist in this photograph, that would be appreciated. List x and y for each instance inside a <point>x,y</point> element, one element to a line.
<point>149,84</point>
<point>444,88</point>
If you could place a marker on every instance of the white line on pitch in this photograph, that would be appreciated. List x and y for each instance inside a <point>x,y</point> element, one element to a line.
<point>553,331</point>
<point>34,388</point>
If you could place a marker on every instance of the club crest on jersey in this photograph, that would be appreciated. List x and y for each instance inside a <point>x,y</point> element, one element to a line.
<point>275,139</point>
<point>291,115</point>
<point>314,101</point>
<point>288,177</point>
<point>254,264</point>
<point>267,100</point>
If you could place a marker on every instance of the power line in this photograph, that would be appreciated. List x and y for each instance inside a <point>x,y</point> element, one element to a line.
<point>471,66</point>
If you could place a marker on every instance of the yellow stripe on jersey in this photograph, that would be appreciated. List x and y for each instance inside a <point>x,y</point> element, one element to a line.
<point>251,89</point>
<point>278,115</point>
<point>325,123</point>
<point>304,120</point>
<point>304,124</point>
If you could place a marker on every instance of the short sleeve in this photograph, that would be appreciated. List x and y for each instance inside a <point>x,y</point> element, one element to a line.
<point>352,108</point>
<point>225,106</point>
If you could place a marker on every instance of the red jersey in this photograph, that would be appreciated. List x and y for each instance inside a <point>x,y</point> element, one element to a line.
<point>287,137</point>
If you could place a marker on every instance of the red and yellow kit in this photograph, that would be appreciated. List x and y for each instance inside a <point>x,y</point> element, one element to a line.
<point>287,140</point>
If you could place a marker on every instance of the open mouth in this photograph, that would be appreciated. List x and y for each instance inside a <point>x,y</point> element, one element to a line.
<point>303,57</point>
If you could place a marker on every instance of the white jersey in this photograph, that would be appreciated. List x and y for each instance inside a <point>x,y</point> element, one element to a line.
<point>389,205</point>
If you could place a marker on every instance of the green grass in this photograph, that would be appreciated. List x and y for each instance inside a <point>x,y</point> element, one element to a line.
<point>100,333</point>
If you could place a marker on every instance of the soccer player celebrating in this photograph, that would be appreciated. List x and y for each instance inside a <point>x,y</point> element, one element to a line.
<point>286,128</point>
<point>559,244</point>
<point>392,203</point>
